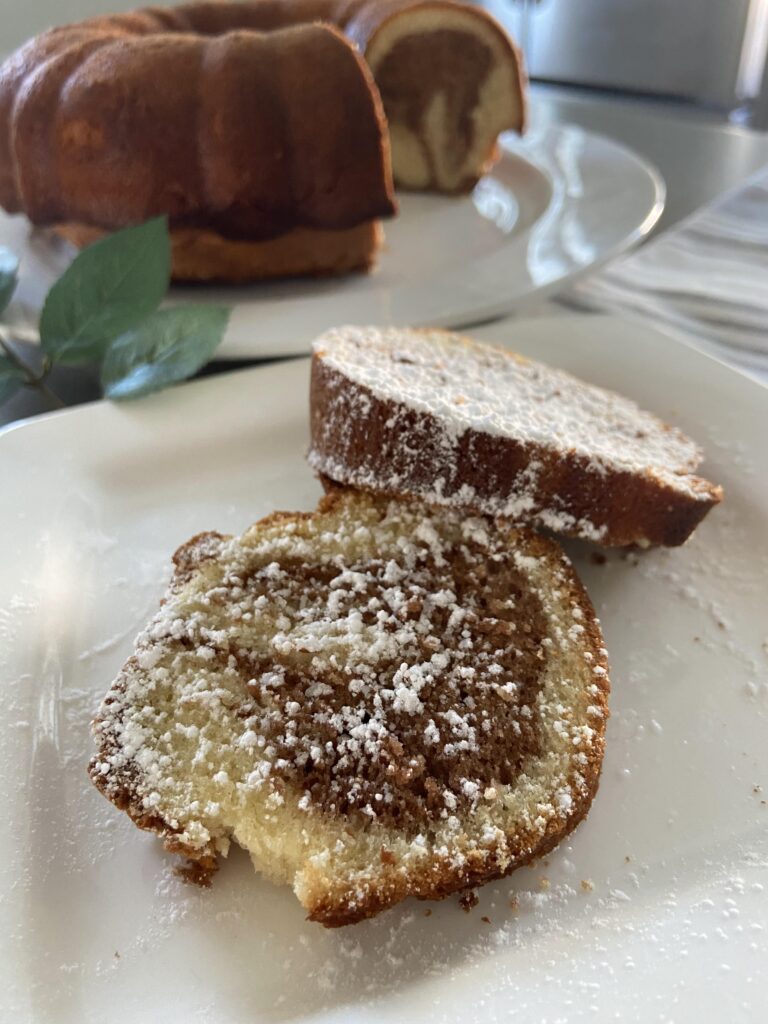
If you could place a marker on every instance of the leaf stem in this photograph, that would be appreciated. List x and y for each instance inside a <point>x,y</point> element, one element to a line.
<point>50,394</point>
<point>31,378</point>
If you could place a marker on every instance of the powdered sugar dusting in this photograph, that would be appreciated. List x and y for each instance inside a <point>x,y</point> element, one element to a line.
<point>469,384</point>
<point>449,397</point>
<point>383,664</point>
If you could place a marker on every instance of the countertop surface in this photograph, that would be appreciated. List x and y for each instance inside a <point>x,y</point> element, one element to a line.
<point>699,157</point>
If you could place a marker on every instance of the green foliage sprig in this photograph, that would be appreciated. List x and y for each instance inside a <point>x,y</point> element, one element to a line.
<point>105,309</point>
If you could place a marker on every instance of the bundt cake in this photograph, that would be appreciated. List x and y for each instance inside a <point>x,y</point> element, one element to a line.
<point>457,422</point>
<point>377,700</point>
<point>255,126</point>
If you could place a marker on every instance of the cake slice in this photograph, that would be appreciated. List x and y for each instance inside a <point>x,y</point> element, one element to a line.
<point>456,422</point>
<point>450,80</point>
<point>377,700</point>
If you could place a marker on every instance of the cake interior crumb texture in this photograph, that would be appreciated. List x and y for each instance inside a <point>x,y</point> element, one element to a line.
<point>376,700</point>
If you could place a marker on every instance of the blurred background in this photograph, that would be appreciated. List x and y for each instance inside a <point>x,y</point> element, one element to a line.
<point>682,83</point>
<point>706,56</point>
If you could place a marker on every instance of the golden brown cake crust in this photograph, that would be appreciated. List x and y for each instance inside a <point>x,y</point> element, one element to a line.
<point>196,113</point>
<point>206,256</point>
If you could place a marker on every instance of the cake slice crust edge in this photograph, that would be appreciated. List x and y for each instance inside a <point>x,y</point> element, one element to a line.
<point>372,438</point>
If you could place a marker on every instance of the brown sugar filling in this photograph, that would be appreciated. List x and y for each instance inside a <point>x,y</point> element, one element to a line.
<point>425,733</point>
<point>457,65</point>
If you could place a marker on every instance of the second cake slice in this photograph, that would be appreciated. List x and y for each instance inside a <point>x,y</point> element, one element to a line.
<point>456,422</point>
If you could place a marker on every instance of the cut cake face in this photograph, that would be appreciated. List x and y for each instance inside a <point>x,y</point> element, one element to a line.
<point>376,700</point>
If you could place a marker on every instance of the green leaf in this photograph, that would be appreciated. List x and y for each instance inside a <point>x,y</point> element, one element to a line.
<point>169,346</point>
<point>108,289</point>
<point>11,378</point>
<point>9,270</point>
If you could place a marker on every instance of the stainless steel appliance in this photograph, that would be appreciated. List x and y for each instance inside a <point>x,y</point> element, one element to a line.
<point>711,52</point>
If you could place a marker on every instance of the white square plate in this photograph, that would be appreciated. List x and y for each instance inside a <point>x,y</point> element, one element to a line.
<point>657,908</point>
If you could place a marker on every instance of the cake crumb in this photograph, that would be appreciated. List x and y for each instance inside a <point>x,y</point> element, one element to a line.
<point>587,885</point>
<point>468,900</point>
<point>194,873</point>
